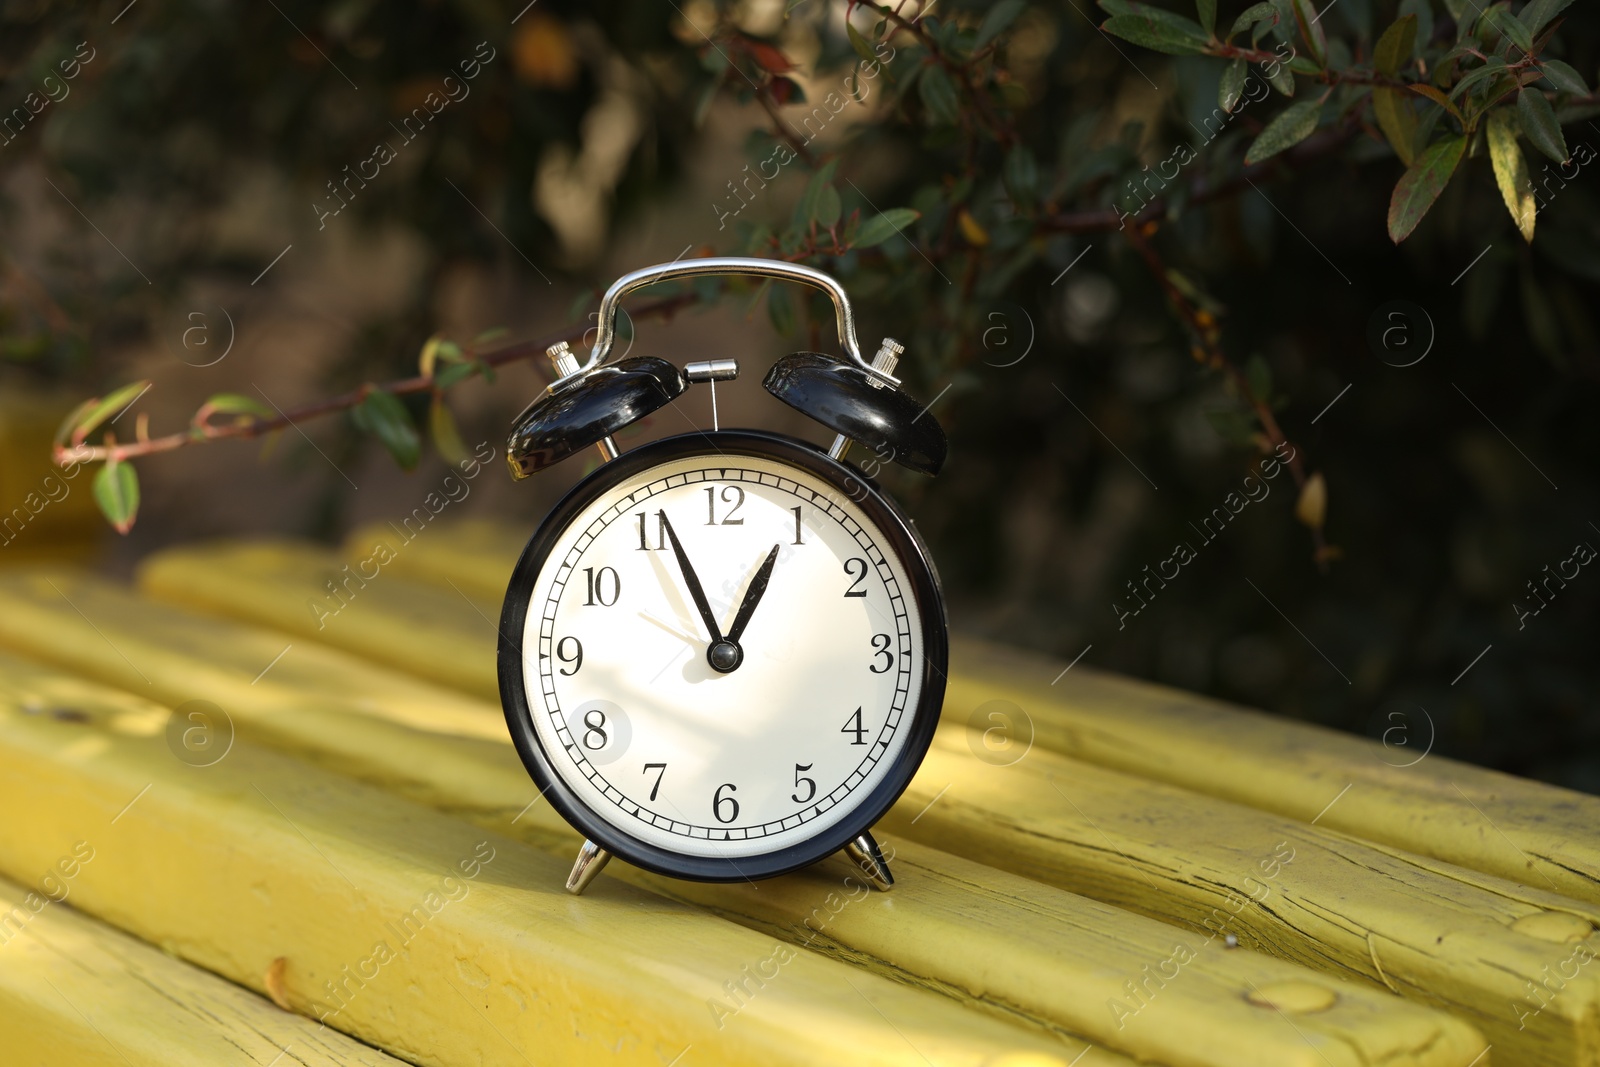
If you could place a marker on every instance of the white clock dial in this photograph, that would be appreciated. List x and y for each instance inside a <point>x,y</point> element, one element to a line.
<point>624,697</point>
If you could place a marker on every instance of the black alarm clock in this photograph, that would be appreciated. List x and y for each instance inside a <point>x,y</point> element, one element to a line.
<point>722,655</point>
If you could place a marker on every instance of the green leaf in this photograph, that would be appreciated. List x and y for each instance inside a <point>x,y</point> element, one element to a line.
<point>1495,66</point>
<point>1397,119</point>
<point>116,490</point>
<point>1421,185</point>
<point>1438,98</point>
<point>238,404</point>
<point>805,212</point>
<point>997,21</point>
<point>828,207</point>
<point>1539,123</point>
<point>1393,49</point>
<point>1563,77</point>
<point>428,356</point>
<point>1250,16</point>
<point>1280,77</point>
<point>880,228</point>
<point>1207,10</point>
<point>1160,31</point>
<point>1537,15</point>
<point>1512,29</point>
<point>1293,125</point>
<point>1311,31</point>
<point>454,373</point>
<point>442,428</point>
<point>1284,26</point>
<point>106,408</point>
<point>1231,86</point>
<point>1428,120</point>
<point>70,423</point>
<point>939,96</point>
<point>1511,171</point>
<point>1479,30</point>
<point>862,46</point>
<point>438,350</point>
<point>386,418</point>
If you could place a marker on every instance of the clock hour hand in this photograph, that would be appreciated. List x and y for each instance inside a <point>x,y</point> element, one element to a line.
<point>690,579</point>
<point>752,596</point>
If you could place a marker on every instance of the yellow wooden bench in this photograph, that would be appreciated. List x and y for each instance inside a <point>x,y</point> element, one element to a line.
<point>1157,878</point>
<point>77,991</point>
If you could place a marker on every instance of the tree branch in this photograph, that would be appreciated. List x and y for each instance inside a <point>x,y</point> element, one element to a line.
<point>202,431</point>
<point>784,131</point>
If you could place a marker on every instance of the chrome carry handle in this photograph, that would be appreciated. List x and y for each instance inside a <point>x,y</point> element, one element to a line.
<point>606,333</point>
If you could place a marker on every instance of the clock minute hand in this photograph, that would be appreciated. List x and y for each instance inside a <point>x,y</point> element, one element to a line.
<point>752,596</point>
<point>690,579</point>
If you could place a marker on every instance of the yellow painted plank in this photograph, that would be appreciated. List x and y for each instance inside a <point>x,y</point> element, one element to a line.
<point>437,632</point>
<point>1526,831</point>
<point>438,940</point>
<point>1513,961</point>
<point>310,591</point>
<point>1129,983</point>
<point>76,991</point>
<point>1466,815</point>
<point>1018,825</point>
<point>975,932</point>
<point>985,937</point>
<point>277,688</point>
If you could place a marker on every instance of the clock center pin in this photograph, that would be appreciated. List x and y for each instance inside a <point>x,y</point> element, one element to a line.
<point>725,657</point>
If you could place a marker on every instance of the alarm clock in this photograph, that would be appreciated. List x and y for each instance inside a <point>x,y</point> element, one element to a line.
<point>722,655</point>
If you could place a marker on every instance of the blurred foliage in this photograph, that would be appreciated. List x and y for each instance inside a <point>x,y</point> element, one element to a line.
<point>1133,263</point>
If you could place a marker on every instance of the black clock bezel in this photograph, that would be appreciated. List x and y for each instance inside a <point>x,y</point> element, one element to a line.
<point>902,539</point>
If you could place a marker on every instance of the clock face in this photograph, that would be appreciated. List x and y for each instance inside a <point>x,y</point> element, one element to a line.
<point>723,655</point>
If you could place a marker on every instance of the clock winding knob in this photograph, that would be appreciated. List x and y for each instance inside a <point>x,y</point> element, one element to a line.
<point>888,358</point>
<point>562,359</point>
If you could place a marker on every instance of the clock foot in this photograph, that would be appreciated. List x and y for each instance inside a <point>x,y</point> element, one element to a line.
<point>864,851</point>
<point>591,858</point>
